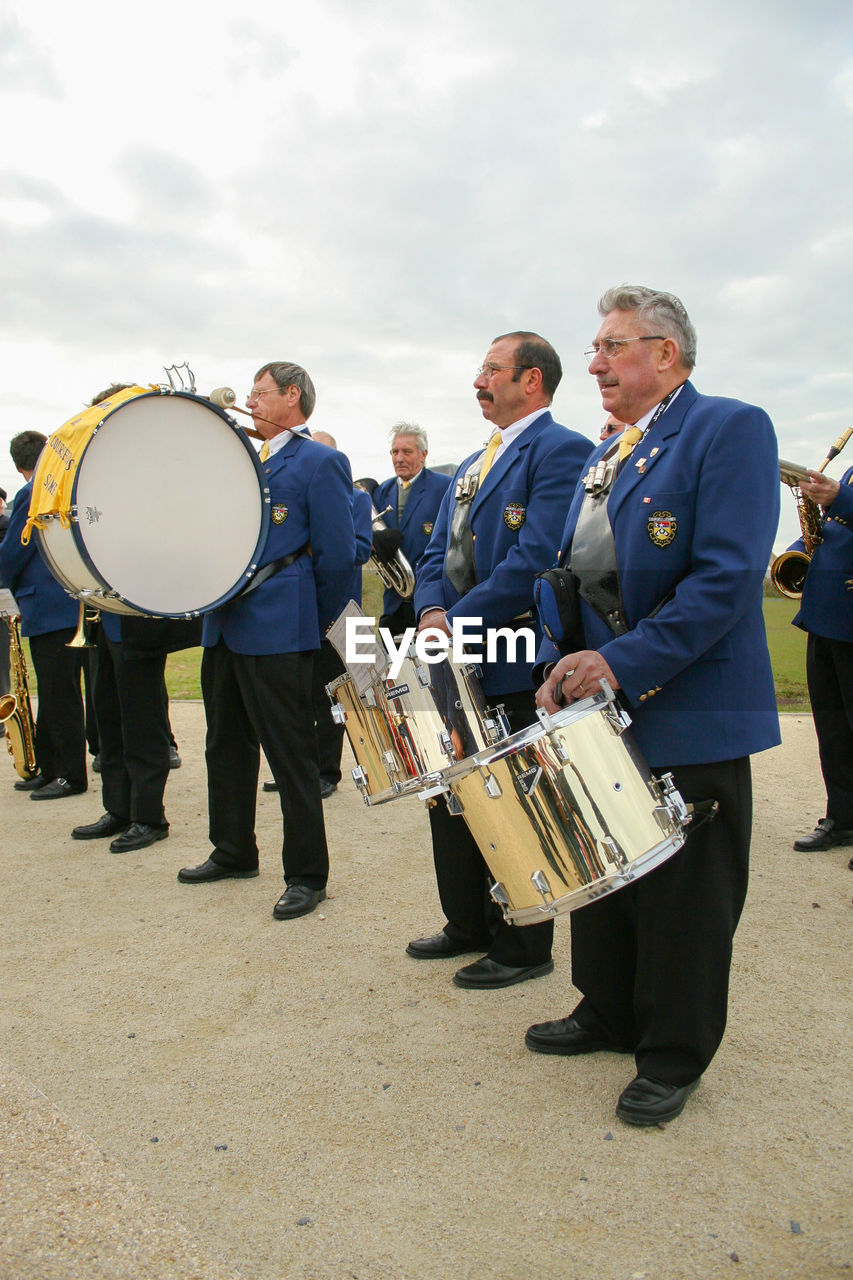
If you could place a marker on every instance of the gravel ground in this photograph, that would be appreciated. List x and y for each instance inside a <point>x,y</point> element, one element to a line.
<point>192,1089</point>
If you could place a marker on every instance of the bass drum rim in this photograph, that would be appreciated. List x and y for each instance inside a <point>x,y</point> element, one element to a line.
<point>117,601</point>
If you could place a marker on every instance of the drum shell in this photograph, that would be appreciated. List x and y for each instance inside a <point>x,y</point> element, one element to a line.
<point>168,513</point>
<point>406,732</point>
<point>571,800</point>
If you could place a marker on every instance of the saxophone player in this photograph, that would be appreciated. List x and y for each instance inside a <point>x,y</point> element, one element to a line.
<point>826,615</point>
<point>49,620</point>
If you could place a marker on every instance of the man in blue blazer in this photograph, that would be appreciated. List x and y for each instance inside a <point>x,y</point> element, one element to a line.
<point>495,530</point>
<point>413,496</point>
<point>259,651</point>
<point>691,515</point>
<point>49,618</point>
<point>826,613</point>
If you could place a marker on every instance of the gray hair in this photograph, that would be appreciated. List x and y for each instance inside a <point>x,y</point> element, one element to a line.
<point>292,375</point>
<point>661,311</point>
<point>409,429</point>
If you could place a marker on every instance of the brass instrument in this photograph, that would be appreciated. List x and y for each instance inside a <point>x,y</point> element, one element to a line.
<point>788,571</point>
<point>15,710</point>
<point>397,574</point>
<point>84,636</point>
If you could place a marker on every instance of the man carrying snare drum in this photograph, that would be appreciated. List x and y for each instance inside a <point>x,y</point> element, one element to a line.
<point>685,504</point>
<point>497,523</point>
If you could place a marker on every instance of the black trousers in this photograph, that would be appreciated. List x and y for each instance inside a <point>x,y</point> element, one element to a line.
<point>464,878</point>
<point>829,672</point>
<point>131,708</point>
<point>60,731</point>
<point>253,701</point>
<point>330,735</point>
<point>652,959</point>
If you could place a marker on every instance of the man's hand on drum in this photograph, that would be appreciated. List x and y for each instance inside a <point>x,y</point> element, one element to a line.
<point>434,619</point>
<point>574,677</point>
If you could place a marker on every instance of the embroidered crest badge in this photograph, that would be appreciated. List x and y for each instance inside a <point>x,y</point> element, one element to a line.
<point>428,527</point>
<point>279,513</point>
<point>514,516</point>
<point>662,527</point>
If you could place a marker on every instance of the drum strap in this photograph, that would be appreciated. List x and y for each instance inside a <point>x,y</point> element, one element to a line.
<point>593,561</point>
<point>274,566</point>
<point>459,561</point>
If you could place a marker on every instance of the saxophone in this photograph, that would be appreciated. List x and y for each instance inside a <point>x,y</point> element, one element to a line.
<point>15,710</point>
<point>788,571</point>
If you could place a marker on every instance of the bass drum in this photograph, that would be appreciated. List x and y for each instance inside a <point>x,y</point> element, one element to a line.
<point>151,503</point>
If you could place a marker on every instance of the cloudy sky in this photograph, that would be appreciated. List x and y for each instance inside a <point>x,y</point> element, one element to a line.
<point>376,191</point>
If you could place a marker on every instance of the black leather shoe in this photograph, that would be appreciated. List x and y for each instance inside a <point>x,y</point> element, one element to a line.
<point>270,786</point>
<point>565,1036</point>
<point>139,835</point>
<point>96,764</point>
<point>297,900</point>
<point>32,784</point>
<point>440,947</point>
<point>107,825</point>
<point>646,1101</point>
<point>825,835</point>
<point>487,974</point>
<point>211,870</point>
<point>327,788</point>
<point>174,758</point>
<point>57,790</point>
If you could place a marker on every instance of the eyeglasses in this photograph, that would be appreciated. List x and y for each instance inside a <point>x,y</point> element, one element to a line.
<point>610,347</point>
<point>255,394</point>
<point>488,370</point>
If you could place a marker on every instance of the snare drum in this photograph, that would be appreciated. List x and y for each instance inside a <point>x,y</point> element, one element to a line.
<point>151,503</point>
<point>566,810</point>
<point>405,732</point>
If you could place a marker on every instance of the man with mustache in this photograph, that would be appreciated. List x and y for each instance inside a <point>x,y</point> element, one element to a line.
<point>497,526</point>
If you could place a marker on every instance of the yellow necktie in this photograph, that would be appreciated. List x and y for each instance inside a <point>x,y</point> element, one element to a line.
<point>265,451</point>
<point>495,442</point>
<point>630,436</point>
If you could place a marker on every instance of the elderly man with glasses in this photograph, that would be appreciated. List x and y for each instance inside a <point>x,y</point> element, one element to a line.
<point>498,525</point>
<point>681,511</point>
<point>259,650</point>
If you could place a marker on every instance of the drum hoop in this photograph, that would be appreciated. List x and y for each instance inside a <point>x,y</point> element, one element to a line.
<point>265,507</point>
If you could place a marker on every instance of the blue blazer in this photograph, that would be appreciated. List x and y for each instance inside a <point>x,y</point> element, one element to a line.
<point>44,604</point>
<point>826,608</point>
<point>419,515</point>
<point>697,520</point>
<point>310,501</point>
<point>516,518</point>
<point>362,519</point>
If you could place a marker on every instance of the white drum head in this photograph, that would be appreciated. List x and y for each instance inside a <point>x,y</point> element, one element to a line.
<point>170,505</point>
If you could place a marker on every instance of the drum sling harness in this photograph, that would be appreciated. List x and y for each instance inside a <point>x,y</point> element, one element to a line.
<point>459,560</point>
<point>273,567</point>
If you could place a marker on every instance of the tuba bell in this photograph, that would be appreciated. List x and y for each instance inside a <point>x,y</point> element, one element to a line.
<point>397,574</point>
<point>788,570</point>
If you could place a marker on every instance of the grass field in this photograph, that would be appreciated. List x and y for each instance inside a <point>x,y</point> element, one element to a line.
<point>787,652</point>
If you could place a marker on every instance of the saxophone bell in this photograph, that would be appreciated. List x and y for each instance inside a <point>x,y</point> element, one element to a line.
<point>788,571</point>
<point>15,710</point>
